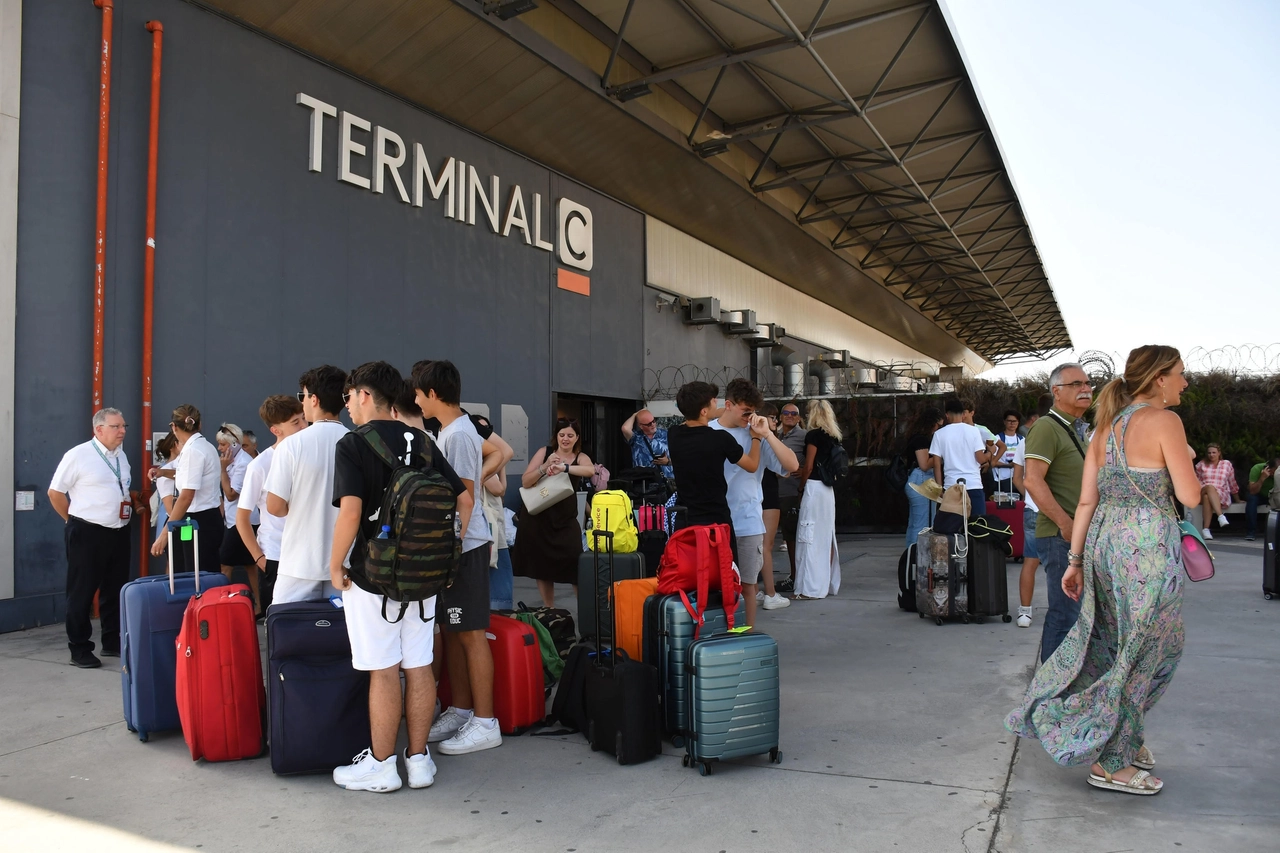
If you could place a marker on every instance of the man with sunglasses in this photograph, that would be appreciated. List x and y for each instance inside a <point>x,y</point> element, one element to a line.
<point>1055,451</point>
<point>792,434</point>
<point>300,489</point>
<point>648,442</point>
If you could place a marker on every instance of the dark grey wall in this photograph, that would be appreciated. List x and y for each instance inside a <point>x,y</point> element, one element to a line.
<point>264,269</point>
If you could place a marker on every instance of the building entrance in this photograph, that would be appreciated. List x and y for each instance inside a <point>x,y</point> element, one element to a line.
<point>600,419</point>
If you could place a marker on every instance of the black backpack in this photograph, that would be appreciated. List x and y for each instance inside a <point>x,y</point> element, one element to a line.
<point>416,551</point>
<point>836,466</point>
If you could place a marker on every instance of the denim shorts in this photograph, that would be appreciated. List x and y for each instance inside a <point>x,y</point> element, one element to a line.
<point>1029,518</point>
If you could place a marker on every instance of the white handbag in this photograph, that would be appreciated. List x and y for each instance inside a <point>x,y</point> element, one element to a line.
<point>546,492</point>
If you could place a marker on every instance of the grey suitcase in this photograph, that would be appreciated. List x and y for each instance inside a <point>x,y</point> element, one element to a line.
<point>669,630</point>
<point>594,589</point>
<point>733,699</point>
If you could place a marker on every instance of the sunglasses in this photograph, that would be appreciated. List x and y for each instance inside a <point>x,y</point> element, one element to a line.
<point>790,414</point>
<point>302,396</point>
<point>645,424</point>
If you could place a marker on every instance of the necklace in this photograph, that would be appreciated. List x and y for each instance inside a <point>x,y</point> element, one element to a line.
<point>327,421</point>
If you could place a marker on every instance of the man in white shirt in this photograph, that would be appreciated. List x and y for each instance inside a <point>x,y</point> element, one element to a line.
<point>90,490</point>
<point>283,417</point>
<point>1030,555</point>
<point>743,490</point>
<point>959,453</point>
<point>300,489</point>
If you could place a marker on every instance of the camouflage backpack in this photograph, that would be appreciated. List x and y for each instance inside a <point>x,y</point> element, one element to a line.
<point>416,550</point>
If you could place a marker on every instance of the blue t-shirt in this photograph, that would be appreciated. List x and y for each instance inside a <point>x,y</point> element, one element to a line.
<point>641,457</point>
<point>744,492</point>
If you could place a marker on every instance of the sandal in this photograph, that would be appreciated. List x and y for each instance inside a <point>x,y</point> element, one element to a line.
<point>1142,783</point>
<point>1144,760</point>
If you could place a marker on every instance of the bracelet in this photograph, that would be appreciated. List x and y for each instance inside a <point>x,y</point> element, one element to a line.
<point>1074,556</point>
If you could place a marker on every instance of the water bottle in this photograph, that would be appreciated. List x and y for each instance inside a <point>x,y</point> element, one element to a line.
<point>385,532</point>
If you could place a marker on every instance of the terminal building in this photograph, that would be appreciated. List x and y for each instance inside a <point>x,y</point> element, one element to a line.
<point>583,203</point>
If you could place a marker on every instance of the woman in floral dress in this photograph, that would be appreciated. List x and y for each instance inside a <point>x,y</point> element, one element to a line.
<point>1087,703</point>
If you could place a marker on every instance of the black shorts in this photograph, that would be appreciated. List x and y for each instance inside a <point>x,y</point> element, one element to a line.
<point>790,507</point>
<point>232,551</point>
<point>769,492</point>
<point>464,606</point>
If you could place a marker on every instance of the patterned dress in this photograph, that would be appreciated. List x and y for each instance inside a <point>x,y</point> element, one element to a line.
<point>1087,702</point>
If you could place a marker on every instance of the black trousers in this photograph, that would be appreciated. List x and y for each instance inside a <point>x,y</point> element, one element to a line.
<point>211,533</point>
<point>267,583</point>
<point>97,562</point>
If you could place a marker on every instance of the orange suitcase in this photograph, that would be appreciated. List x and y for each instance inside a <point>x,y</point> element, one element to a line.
<point>628,614</point>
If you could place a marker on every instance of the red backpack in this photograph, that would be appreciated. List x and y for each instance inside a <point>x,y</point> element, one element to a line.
<point>700,559</point>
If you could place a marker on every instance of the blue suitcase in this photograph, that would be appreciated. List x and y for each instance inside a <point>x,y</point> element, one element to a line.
<point>151,611</point>
<point>732,700</point>
<point>319,704</point>
<point>668,631</point>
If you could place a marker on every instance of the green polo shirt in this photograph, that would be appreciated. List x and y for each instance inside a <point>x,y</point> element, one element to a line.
<point>1049,442</point>
<point>1267,484</point>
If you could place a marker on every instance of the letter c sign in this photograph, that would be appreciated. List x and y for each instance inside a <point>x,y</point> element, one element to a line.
<point>576,235</point>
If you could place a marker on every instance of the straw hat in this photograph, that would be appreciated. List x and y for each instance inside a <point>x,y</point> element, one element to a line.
<point>930,489</point>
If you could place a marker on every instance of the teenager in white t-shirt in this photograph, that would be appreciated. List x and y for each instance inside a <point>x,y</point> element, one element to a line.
<point>235,462</point>
<point>1002,465</point>
<point>1030,556</point>
<point>300,489</point>
<point>959,453</point>
<point>283,416</point>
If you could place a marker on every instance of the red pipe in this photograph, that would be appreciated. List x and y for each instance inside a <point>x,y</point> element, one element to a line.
<point>100,239</point>
<point>149,277</point>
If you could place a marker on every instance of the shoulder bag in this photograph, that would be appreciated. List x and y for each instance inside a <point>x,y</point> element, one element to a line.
<point>547,492</point>
<point>1197,560</point>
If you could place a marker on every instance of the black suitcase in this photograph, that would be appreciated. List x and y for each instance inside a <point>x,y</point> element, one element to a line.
<point>652,544</point>
<point>988,580</point>
<point>620,696</point>
<point>1270,583</point>
<point>567,707</point>
<point>907,580</point>
<point>319,703</point>
<point>594,588</point>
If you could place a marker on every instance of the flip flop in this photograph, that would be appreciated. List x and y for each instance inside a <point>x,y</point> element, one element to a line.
<point>1141,784</point>
<point>1144,760</point>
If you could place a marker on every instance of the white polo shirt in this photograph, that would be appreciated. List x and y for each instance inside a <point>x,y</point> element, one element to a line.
<point>90,482</point>
<point>235,474</point>
<point>1020,459</point>
<point>199,468</point>
<point>302,474</point>
<point>254,494</point>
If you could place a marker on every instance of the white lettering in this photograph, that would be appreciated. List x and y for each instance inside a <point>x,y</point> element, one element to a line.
<point>462,193</point>
<point>538,242</point>
<point>319,109</point>
<point>490,202</point>
<point>384,162</point>
<point>347,147</point>
<point>422,175</point>
<point>515,215</point>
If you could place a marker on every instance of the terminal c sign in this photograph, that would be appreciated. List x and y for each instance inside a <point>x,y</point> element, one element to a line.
<point>460,184</point>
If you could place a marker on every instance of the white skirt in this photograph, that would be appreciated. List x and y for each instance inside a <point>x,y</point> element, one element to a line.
<point>817,557</point>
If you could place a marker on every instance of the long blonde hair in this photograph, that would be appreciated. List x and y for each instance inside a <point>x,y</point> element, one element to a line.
<point>1144,366</point>
<point>821,417</point>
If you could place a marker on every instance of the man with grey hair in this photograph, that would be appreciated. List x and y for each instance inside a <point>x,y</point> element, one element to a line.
<point>90,490</point>
<point>1055,450</point>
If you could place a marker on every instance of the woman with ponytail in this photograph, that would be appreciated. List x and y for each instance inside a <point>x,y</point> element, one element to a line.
<point>1088,702</point>
<point>197,478</point>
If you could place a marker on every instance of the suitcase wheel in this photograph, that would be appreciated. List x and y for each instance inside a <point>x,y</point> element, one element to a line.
<point>965,619</point>
<point>1006,618</point>
<point>1017,559</point>
<point>677,741</point>
<point>143,736</point>
<point>937,620</point>
<point>684,760</point>
<point>921,615</point>
<point>1268,596</point>
<point>775,755</point>
<point>704,769</point>
<point>617,745</point>
<point>591,735</point>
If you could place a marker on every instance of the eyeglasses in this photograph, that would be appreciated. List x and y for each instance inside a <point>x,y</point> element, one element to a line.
<point>645,424</point>
<point>302,396</point>
<point>1074,386</point>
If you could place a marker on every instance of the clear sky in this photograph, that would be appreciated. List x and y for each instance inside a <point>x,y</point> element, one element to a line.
<point>1143,140</point>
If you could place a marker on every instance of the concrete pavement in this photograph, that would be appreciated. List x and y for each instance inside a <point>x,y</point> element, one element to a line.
<point>892,738</point>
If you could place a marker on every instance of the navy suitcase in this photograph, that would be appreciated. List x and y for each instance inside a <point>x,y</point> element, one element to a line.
<point>668,631</point>
<point>594,589</point>
<point>150,617</point>
<point>1270,582</point>
<point>733,699</point>
<point>319,704</point>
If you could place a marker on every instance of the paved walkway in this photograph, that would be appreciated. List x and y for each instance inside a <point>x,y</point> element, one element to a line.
<point>892,739</point>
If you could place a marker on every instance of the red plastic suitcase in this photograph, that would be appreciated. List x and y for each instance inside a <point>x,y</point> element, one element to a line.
<point>1012,515</point>
<point>519,699</point>
<point>219,678</point>
<point>651,518</point>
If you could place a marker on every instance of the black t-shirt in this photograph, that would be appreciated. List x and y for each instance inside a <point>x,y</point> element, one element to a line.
<point>819,439</point>
<point>919,441</point>
<point>698,455</point>
<point>481,423</point>
<point>359,472</point>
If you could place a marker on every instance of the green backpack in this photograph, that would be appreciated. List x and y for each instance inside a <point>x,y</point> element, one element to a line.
<point>416,551</point>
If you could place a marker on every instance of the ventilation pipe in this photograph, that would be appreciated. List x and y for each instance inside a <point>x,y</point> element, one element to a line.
<point>792,370</point>
<point>100,234</point>
<point>826,376</point>
<point>149,274</point>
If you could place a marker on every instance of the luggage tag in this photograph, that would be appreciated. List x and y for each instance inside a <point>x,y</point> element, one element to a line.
<point>741,629</point>
<point>336,601</point>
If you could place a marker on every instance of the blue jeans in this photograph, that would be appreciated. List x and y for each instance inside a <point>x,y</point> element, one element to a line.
<point>977,503</point>
<point>500,582</point>
<point>1029,519</point>
<point>1063,612</point>
<point>1251,502</point>
<point>921,507</point>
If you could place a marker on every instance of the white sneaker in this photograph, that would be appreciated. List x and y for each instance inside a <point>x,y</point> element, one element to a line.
<point>1024,617</point>
<point>447,724</point>
<point>366,773</point>
<point>760,596</point>
<point>422,770</point>
<point>1222,520</point>
<point>776,602</point>
<point>474,736</point>
<point>1207,534</point>
<point>783,547</point>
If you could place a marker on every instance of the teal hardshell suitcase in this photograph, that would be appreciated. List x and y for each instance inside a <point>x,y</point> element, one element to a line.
<point>733,699</point>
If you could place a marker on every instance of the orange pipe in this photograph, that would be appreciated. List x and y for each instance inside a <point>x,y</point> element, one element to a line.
<point>149,280</point>
<point>100,239</point>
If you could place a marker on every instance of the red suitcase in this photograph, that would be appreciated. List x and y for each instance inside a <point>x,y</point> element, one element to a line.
<point>219,677</point>
<point>1012,515</point>
<point>519,699</point>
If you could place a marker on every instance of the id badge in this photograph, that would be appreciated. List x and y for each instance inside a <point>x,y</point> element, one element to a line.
<point>126,510</point>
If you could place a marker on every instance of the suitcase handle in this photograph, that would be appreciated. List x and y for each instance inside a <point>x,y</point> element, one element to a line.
<point>597,533</point>
<point>174,526</point>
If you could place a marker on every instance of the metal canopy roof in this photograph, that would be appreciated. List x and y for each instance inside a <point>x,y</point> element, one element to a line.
<point>835,145</point>
<point>866,109</point>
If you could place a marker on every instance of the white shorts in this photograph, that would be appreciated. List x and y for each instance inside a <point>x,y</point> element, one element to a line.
<point>379,644</point>
<point>750,557</point>
<point>289,589</point>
